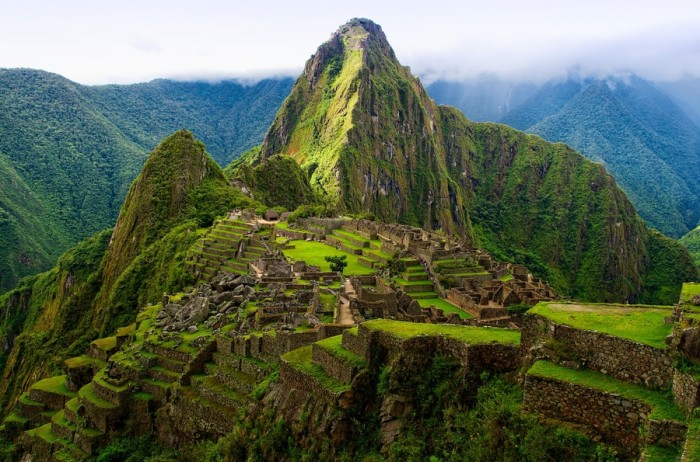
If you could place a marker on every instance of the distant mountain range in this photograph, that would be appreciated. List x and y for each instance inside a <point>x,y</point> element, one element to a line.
<point>69,152</point>
<point>636,128</point>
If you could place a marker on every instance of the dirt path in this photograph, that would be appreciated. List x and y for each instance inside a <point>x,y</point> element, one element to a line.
<point>344,312</point>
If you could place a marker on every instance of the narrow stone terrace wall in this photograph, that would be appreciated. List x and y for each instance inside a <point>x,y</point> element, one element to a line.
<point>620,358</point>
<point>617,419</point>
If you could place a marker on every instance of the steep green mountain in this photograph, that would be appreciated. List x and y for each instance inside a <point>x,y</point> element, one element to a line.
<point>99,284</point>
<point>692,242</point>
<point>69,152</point>
<point>367,134</point>
<point>644,140</point>
<point>26,236</point>
<point>370,140</point>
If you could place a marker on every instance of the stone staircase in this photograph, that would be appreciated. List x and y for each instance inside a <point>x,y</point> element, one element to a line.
<point>218,249</point>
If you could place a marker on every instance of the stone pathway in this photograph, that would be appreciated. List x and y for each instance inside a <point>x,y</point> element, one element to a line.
<point>344,312</point>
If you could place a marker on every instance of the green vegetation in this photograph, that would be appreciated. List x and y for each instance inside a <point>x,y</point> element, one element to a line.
<point>334,345</point>
<point>55,384</point>
<point>691,241</point>
<point>301,359</point>
<point>276,181</point>
<point>466,334</point>
<point>337,262</point>
<point>445,306</point>
<point>661,403</point>
<point>689,291</point>
<point>670,267</point>
<point>69,152</point>
<point>643,324</point>
<point>314,253</point>
<point>654,142</point>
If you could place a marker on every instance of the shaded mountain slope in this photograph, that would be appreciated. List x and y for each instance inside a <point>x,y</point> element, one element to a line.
<point>644,140</point>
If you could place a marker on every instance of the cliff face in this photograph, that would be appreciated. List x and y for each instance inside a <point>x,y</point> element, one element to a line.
<point>364,130</point>
<point>369,139</point>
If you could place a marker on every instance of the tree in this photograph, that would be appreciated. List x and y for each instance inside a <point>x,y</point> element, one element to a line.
<point>338,263</point>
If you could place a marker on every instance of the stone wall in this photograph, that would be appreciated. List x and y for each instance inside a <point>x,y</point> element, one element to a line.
<point>494,357</point>
<point>620,358</point>
<point>686,390</point>
<point>338,368</point>
<point>294,378</point>
<point>616,419</point>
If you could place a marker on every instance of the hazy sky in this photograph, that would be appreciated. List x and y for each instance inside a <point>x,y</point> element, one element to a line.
<point>129,41</point>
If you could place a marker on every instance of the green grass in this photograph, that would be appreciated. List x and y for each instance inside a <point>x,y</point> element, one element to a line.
<point>88,393</point>
<point>300,359</point>
<point>690,290</point>
<point>467,334</point>
<point>106,343</point>
<point>692,445</point>
<point>83,361</point>
<point>73,405</point>
<point>404,282</point>
<point>14,418</point>
<point>662,405</point>
<point>313,253</point>
<point>663,454</point>
<point>334,346</point>
<point>54,385</point>
<point>643,324</point>
<point>506,278</point>
<point>444,305</point>
<point>327,301</point>
<point>44,432</point>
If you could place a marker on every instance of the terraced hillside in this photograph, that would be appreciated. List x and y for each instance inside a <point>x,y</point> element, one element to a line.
<point>264,340</point>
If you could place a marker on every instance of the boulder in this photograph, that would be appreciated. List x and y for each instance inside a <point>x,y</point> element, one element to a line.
<point>690,344</point>
<point>271,215</point>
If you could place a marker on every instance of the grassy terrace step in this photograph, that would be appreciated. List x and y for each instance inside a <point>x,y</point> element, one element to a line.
<point>467,334</point>
<point>301,360</point>
<point>163,374</point>
<point>413,277</point>
<point>71,410</point>
<point>445,306</point>
<point>662,406</point>
<point>235,379</point>
<point>84,361</point>
<point>44,432</point>
<point>643,324</point>
<point>416,269</point>
<point>334,346</point>
<point>87,393</point>
<point>661,454</point>
<point>213,389</point>
<point>55,385</point>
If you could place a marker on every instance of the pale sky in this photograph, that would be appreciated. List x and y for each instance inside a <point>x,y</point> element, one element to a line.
<point>104,41</point>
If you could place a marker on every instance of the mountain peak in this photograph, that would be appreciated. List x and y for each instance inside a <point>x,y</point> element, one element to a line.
<point>358,33</point>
